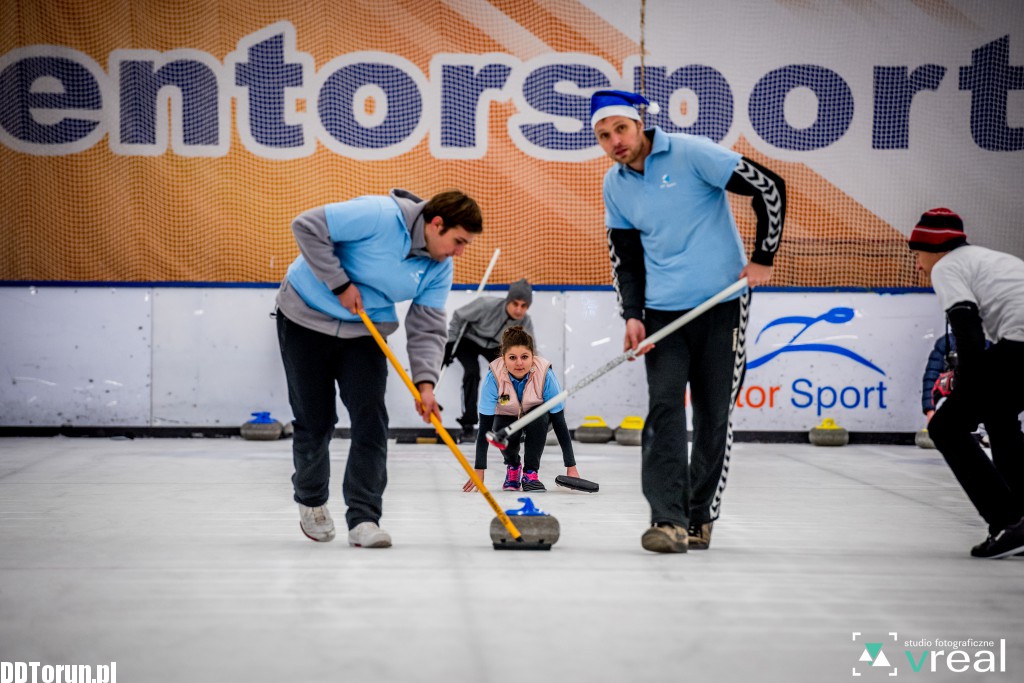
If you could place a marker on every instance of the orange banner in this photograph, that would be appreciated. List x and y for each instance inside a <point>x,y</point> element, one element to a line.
<point>175,141</point>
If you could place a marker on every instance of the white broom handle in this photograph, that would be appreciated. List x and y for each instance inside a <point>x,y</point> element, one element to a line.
<point>462,330</point>
<point>735,287</point>
<point>543,408</point>
<point>487,273</point>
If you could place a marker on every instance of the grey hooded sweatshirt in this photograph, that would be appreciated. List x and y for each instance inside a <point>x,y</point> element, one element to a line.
<point>486,318</point>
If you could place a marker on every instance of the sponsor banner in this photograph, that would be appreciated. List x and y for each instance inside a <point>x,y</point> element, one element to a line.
<point>159,146</point>
<point>855,358</point>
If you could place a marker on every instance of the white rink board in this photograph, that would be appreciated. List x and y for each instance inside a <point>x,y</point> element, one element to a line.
<point>215,357</point>
<point>75,356</point>
<point>806,361</point>
<point>212,358</point>
<point>854,357</point>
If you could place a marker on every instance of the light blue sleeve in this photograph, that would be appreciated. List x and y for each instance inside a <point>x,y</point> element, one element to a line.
<point>613,217</point>
<point>551,389</point>
<point>488,395</point>
<point>712,162</point>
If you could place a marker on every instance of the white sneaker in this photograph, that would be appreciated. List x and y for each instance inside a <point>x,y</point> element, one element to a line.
<point>316,523</point>
<point>368,535</point>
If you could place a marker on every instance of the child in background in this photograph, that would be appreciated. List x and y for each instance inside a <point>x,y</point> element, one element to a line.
<point>517,382</point>
<point>942,361</point>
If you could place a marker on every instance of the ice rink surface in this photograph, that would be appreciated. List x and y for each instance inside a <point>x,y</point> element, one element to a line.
<point>181,560</point>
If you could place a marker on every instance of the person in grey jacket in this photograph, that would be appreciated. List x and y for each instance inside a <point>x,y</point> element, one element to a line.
<point>364,254</point>
<point>481,324</point>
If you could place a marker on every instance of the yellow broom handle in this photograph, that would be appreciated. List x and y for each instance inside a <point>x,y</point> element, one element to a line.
<point>445,436</point>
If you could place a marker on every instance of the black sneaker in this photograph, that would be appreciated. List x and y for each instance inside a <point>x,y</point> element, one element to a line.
<point>468,434</point>
<point>1009,541</point>
<point>531,482</point>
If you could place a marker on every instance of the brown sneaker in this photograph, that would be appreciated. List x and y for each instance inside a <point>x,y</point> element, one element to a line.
<point>700,535</point>
<point>665,538</point>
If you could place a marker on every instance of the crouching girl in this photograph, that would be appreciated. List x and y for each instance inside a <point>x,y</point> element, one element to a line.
<point>517,382</point>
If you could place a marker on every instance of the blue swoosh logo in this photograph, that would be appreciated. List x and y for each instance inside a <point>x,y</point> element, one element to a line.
<point>821,348</point>
<point>835,316</point>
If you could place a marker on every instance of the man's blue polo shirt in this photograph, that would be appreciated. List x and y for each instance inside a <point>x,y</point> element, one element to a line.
<point>692,249</point>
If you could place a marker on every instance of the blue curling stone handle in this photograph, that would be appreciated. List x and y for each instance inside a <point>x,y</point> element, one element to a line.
<point>528,509</point>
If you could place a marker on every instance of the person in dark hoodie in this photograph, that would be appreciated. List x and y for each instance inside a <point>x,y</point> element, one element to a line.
<point>481,324</point>
<point>368,253</point>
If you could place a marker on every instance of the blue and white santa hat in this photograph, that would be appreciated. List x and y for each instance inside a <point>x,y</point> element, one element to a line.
<point>605,103</point>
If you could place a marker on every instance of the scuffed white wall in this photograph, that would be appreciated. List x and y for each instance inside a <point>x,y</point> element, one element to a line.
<point>76,356</point>
<point>208,357</point>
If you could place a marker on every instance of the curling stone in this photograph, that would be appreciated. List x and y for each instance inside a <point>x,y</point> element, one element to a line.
<point>594,430</point>
<point>923,440</point>
<point>828,433</point>
<point>262,428</point>
<point>538,530</point>
<point>630,432</point>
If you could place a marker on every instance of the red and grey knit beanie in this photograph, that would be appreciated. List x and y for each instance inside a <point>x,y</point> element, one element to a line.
<point>938,230</point>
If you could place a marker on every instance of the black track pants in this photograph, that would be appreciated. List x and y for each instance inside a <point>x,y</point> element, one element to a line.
<point>996,485</point>
<point>468,354</point>
<point>534,435</point>
<point>703,354</point>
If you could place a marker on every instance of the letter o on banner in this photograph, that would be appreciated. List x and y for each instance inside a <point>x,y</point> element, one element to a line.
<point>344,91</point>
<point>768,99</point>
